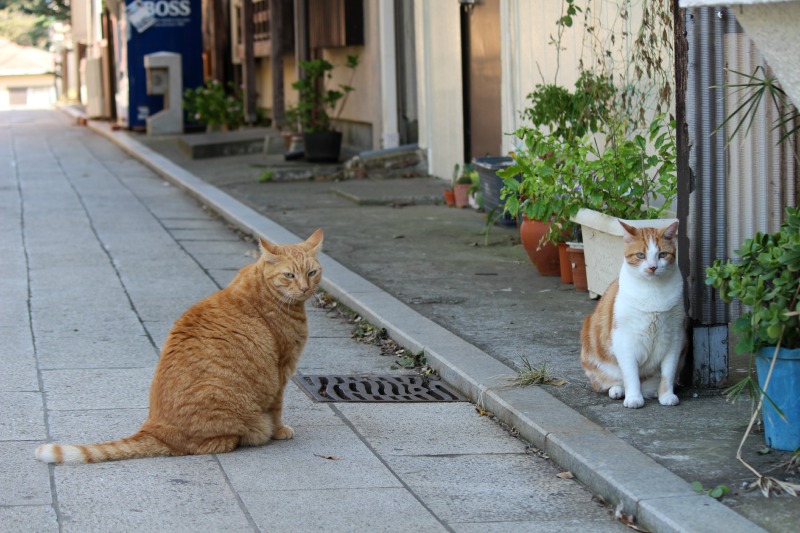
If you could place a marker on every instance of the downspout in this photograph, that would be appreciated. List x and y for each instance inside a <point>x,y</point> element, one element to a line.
<point>390,136</point>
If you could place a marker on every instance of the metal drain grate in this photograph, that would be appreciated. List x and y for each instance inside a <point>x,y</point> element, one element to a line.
<point>377,389</point>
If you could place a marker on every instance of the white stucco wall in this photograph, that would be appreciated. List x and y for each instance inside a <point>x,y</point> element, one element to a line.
<point>439,84</point>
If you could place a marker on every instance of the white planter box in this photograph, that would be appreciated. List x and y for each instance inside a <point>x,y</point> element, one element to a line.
<point>604,248</point>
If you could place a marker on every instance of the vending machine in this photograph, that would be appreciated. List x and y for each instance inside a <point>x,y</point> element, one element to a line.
<point>145,27</point>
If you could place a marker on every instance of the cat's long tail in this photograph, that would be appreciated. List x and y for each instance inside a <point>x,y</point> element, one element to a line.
<point>140,444</point>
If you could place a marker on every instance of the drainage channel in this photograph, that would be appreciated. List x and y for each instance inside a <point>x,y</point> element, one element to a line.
<point>369,388</point>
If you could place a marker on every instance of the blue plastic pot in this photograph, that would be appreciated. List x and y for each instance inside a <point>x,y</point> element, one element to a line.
<point>784,390</point>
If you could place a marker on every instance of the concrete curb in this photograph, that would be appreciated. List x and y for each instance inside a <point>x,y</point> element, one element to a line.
<point>661,501</point>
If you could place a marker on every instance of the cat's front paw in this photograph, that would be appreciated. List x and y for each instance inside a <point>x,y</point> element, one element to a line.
<point>616,392</point>
<point>633,402</point>
<point>668,399</point>
<point>284,433</point>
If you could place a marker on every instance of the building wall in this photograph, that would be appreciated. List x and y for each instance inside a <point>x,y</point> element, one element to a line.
<point>360,117</point>
<point>439,85</point>
<point>40,90</point>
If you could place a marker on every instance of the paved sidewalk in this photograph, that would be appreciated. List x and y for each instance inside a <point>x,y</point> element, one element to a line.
<point>435,264</point>
<point>422,288</point>
<point>98,256</point>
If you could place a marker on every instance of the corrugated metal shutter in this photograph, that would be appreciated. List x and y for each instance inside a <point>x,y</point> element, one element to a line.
<point>739,188</point>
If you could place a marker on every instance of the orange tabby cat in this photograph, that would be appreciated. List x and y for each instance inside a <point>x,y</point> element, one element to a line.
<point>219,382</point>
<point>634,341</point>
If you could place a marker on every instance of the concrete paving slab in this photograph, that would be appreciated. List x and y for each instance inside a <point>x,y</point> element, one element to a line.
<point>222,277</point>
<point>108,348</point>
<point>300,463</point>
<point>498,487</point>
<point>94,425</point>
<point>340,510</point>
<point>29,518</point>
<point>67,280</point>
<point>172,222</point>
<point>98,388</point>
<point>343,356</point>
<point>22,416</point>
<point>77,323</point>
<point>159,494</point>
<point>234,249</point>
<point>304,415</point>
<point>204,234</point>
<point>222,260</point>
<point>399,429</point>
<point>24,481</point>
<point>17,359</point>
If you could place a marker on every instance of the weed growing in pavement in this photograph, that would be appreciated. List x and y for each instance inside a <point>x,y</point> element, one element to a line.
<point>265,177</point>
<point>532,375</point>
<point>717,492</point>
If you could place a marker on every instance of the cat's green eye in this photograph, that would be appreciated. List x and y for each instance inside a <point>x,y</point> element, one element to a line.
<point>288,275</point>
<point>312,273</point>
<point>663,255</point>
<point>640,255</point>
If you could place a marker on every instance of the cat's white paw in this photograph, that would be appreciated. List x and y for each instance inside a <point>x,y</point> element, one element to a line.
<point>616,392</point>
<point>633,402</point>
<point>284,433</point>
<point>668,399</point>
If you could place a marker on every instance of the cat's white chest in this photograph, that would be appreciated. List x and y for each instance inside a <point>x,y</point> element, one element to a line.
<point>648,319</point>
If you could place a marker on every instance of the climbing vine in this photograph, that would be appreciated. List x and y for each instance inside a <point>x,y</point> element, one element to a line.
<point>629,42</point>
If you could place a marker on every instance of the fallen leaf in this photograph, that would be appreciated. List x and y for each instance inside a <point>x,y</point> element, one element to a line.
<point>558,382</point>
<point>627,519</point>
<point>482,411</point>
<point>329,457</point>
<point>565,475</point>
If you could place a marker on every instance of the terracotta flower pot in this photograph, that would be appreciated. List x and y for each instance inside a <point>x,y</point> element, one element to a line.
<point>449,198</point>
<point>578,262</point>
<point>461,191</point>
<point>544,258</point>
<point>564,263</point>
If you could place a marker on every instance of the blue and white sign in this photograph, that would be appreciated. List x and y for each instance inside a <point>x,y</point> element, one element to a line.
<point>161,26</point>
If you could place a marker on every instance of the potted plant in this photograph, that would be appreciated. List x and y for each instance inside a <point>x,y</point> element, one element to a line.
<point>766,280</point>
<point>631,177</point>
<point>542,186</point>
<point>214,107</point>
<point>543,198</point>
<point>315,104</point>
<point>462,185</point>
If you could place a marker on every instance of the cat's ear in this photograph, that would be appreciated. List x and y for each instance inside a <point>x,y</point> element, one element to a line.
<point>268,250</point>
<point>630,231</point>
<point>314,243</point>
<point>670,231</point>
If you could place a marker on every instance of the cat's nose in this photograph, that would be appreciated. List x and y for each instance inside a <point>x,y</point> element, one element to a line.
<point>652,268</point>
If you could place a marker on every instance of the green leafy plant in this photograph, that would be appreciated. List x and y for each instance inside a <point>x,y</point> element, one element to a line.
<point>469,176</point>
<point>766,279</point>
<point>265,176</point>
<point>212,105</point>
<point>755,89</point>
<point>717,492</point>
<point>316,102</point>
<point>570,115</point>
<point>628,178</point>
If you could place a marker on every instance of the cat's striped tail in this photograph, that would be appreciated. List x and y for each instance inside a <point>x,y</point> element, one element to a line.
<point>139,444</point>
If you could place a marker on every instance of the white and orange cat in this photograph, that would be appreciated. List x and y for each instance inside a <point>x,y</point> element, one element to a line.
<point>220,380</point>
<point>633,344</point>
